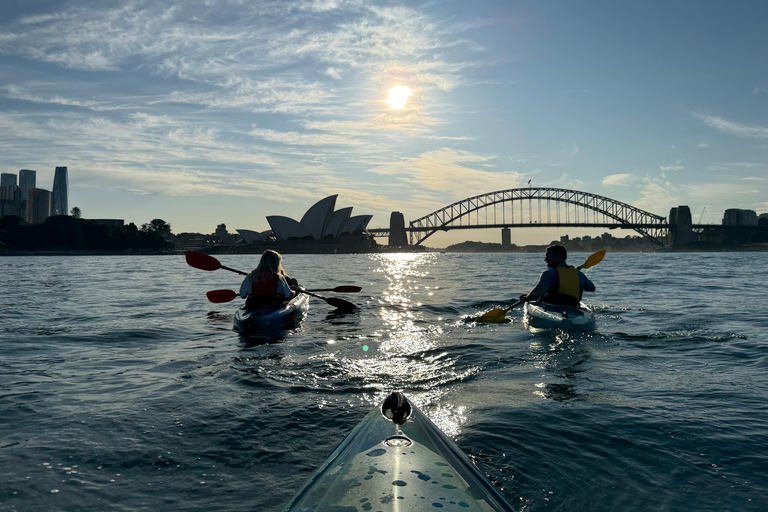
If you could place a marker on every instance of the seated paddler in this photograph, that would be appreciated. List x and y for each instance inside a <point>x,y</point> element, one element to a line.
<point>267,284</point>
<point>560,283</point>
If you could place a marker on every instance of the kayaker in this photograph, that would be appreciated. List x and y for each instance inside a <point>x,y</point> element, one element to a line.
<point>267,284</point>
<point>560,283</point>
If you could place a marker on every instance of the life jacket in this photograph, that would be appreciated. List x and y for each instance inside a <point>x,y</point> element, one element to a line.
<point>263,293</point>
<point>568,289</point>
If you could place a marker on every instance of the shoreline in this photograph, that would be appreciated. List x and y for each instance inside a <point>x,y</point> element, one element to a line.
<point>520,250</point>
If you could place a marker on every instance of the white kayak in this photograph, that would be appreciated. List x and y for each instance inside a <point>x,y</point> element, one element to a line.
<point>397,460</point>
<point>540,315</point>
<point>271,320</point>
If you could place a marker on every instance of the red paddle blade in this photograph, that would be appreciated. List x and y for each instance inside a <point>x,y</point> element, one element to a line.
<point>219,296</point>
<point>202,261</point>
<point>340,303</point>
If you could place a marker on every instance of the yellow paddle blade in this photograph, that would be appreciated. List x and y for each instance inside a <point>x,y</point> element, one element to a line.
<point>594,259</point>
<point>494,316</point>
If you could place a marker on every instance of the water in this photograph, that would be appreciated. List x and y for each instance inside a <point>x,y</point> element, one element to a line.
<point>122,388</point>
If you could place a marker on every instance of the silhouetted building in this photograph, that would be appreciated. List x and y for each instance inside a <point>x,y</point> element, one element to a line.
<point>60,201</point>
<point>506,237</point>
<point>737,217</point>
<point>397,234</point>
<point>7,178</point>
<point>27,181</point>
<point>680,227</point>
<point>10,200</point>
<point>38,206</point>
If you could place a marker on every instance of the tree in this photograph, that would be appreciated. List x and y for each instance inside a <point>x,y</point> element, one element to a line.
<point>75,212</point>
<point>157,226</point>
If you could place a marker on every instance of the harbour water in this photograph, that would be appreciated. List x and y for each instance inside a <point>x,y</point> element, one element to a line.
<point>123,388</point>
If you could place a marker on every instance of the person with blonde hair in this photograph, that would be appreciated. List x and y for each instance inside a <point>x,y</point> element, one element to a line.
<point>267,284</point>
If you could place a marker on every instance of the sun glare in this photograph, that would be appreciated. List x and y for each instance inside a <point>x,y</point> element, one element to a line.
<point>398,96</point>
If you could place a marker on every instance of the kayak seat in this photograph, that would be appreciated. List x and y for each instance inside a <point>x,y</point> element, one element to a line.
<point>396,408</point>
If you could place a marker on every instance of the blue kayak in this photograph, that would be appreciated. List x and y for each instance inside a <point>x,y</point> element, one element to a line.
<point>396,459</point>
<point>272,320</point>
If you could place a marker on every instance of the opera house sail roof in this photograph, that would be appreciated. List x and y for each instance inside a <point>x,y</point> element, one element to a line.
<point>318,223</point>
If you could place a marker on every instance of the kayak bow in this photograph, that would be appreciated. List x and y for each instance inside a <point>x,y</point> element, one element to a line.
<point>396,459</point>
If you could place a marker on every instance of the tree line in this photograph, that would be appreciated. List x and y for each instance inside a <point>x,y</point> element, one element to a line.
<point>72,233</point>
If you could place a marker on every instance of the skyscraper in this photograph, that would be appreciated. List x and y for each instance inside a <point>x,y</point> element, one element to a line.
<point>27,181</point>
<point>59,204</point>
<point>38,206</point>
<point>7,178</point>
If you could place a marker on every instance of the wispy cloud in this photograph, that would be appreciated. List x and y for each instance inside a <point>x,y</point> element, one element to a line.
<point>739,129</point>
<point>676,167</point>
<point>618,180</point>
<point>451,173</point>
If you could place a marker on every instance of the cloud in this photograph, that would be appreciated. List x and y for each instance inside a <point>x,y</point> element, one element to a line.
<point>451,173</point>
<point>675,167</point>
<point>657,195</point>
<point>305,139</point>
<point>739,129</point>
<point>617,180</point>
<point>703,145</point>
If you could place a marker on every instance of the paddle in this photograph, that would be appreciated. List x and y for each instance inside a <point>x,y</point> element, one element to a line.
<point>333,301</point>
<point>206,262</point>
<point>339,289</point>
<point>498,315</point>
<point>219,296</point>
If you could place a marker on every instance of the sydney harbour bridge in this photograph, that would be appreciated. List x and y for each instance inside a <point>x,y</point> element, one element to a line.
<point>532,207</point>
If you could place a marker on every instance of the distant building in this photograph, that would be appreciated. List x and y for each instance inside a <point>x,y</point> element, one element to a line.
<point>506,237</point>
<point>221,234</point>
<point>27,181</point>
<point>251,236</point>
<point>737,217</point>
<point>680,227</point>
<point>60,201</point>
<point>397,235</point>
<point>38,206</point>
<point>7,178</point>
<point>10,200</point>
<point>319,222</point>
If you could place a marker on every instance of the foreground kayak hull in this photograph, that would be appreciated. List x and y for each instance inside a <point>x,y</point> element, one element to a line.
<point>271,320</point>
<point>540,315</point>
<point>385,466</point>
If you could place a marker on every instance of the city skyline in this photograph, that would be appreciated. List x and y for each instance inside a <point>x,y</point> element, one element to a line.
<point>202,113</point>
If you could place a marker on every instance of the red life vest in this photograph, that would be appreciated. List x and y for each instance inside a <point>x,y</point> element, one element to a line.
<point>266,286</point>
<point>263,293</point>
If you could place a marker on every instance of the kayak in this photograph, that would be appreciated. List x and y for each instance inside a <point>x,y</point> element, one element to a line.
<point>396,459</point>
<point>541,315</point>
<point>270,320</point>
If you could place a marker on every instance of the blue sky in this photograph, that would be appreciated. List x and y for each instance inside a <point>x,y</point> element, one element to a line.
<point>226,111</point>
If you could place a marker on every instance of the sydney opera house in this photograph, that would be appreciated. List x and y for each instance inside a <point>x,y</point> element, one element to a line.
<point>321,229</point>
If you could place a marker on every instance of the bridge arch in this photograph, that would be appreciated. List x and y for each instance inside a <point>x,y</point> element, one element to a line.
<point>579,206</point>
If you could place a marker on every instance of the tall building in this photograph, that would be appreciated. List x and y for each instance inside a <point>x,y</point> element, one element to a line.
<point>59,204</point>
<point>38,206</point>
<point>27,181</point>
<point>7,178</point>
<point>10,200</point>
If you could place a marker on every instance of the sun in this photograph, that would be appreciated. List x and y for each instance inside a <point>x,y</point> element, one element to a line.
<point>398,96</point>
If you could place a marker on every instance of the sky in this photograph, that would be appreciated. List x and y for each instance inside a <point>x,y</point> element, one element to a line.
<point>203,112</point>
